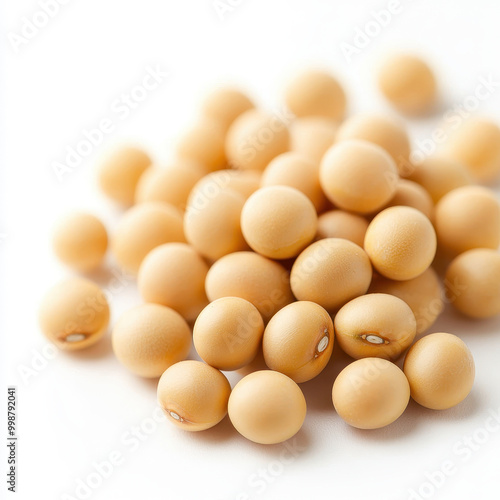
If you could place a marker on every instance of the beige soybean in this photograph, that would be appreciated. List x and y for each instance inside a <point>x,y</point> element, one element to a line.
<point>244,182</point>
<point>225,104</point>
<point>312,136</point>
<point>424,295</point>
<point>149,338</point>
<point>80,241</point>
<point>267,407</point>
<point>408,83</point>
<point>298,341</point>
<point>174,275</point>
<point>316,93</point>
<point>411,194</point>
<point>331,272</point>
<point>212,226</point>
<point>255,138</point>
<point>370,393</point>
<point>142,228</point>
<point>376,325</point>
<point>384,131</point>
<point>341,224</point>
<point>440,370</point>
<point>203,144</point>
<point>278,221</point>
<point>439,175</point>
<point>401,243</point>
<point>74,314</point>
<point>120,172</point>
<point>298,171</point>
<point>171,184</point>
<point>228,332</point>
<point>473,283</point>
<point>476,144</point>
<point>467,218</point>
<point>358,176</point>
<point>193,395</point>
<point>252,277</point>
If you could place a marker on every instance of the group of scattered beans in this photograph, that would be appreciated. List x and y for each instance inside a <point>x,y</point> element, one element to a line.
<point>282,237</point>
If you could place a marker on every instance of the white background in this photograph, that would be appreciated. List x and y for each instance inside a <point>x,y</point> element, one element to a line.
<point>76,409</point>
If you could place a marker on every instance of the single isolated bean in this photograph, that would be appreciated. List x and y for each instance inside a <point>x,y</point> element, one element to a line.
<point>408,83</point>
<point>358,176</point>
<point>174,275</point>
<point>473,283</point>
<point>80,241</point>
<point>149,338</point>
<point>74,314</point>
<point>227,334</point>
<point>120,172</point>
<point>278,221</point>
<point>212,226</point>
<point>298,341</point>
<point>376,325</point>
<point>440,370</point>
<point>370,393</point>
<point>476,144</point>
<point>203,144</point>
<point>193,395</point>
<point>401,243</point>
<point>316,93</point>
<point>331,272</point>
<point>467,218</point>
<point>267,407</point>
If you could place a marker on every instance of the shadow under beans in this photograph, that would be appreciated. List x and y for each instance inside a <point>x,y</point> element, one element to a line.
<point>301,442</point>
<point>222,432</point>
<point>414,414</point>
<point>405,425</point>
<point>465,410</point>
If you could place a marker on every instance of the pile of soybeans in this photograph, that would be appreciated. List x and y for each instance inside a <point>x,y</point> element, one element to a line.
<point>287,238</point>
